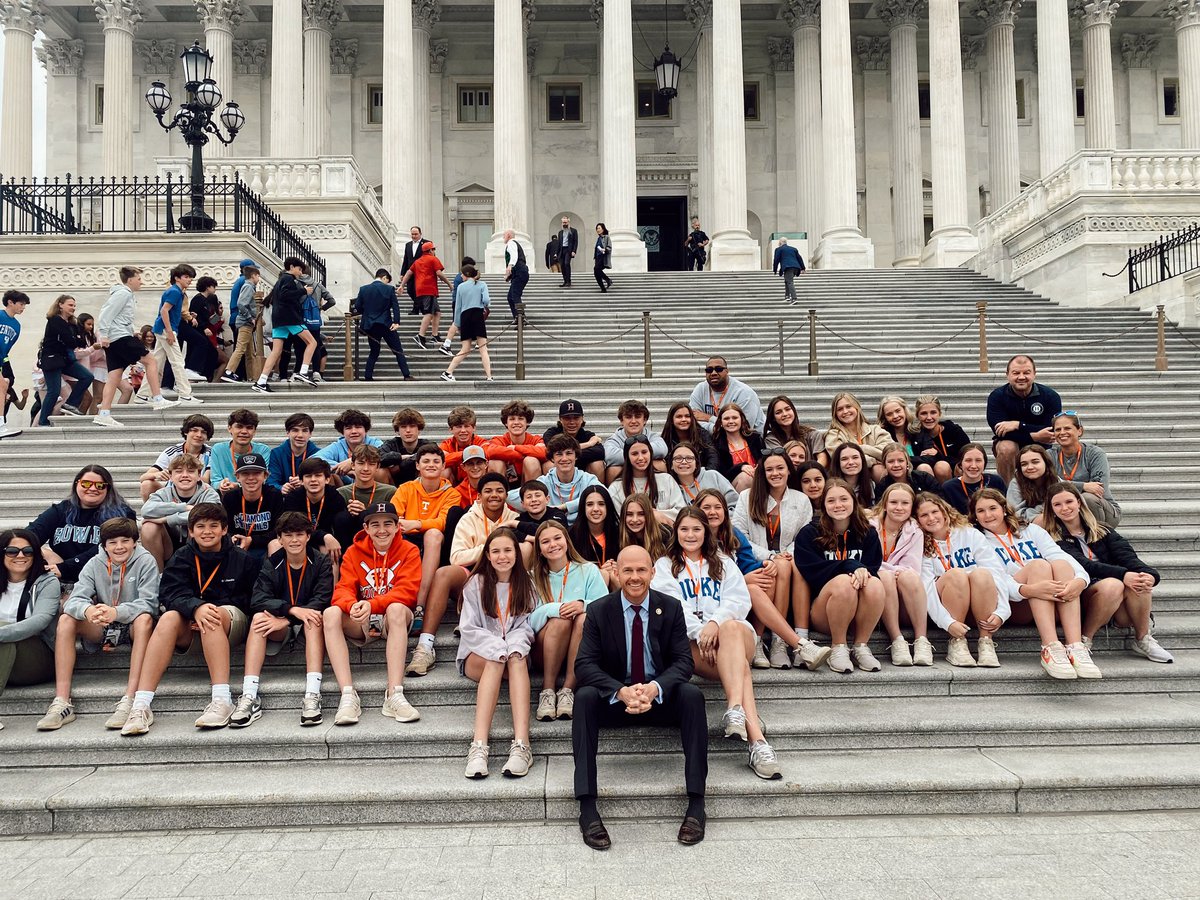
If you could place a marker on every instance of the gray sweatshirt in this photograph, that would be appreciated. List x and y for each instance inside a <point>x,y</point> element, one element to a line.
<point>43,614</point>
<point>1025,513</point>
<point>614,447</point>
<point>703,398</point>
<point>491,639</point>
<point>1093,466</point>
<point>116,316</point>
<point>165,503</point>
<point>139,587</point>
<point>248,308</point>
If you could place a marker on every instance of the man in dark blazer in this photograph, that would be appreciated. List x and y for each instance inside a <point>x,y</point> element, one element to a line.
<point>552,253</point>
<point>568,243</point>
<point>412,250</point>
<point>789,263</point>
<point>379,320</point>
<point>634,667</point>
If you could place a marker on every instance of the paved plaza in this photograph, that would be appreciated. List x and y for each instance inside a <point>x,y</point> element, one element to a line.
<point>1133,855</point>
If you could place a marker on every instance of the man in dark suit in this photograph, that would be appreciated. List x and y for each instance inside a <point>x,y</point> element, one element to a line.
<point>412,250</point>
<point>633,668</point>
<point>568,243</point>
<point>379,320</point>
<point>552,253</point>
<point>789,263</point>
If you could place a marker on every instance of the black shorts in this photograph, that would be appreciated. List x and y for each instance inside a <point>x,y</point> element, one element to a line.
<point>473,326</point>
<point>428,305</point>
<point>124,352</point>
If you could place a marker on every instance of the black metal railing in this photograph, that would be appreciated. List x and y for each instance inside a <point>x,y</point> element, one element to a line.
<point>1170,255</point>
<point>71,205</point>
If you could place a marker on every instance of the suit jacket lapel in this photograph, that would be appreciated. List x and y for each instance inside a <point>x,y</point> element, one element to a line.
<point>655,610</point>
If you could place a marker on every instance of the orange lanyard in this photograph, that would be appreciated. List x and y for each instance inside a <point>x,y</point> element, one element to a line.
<point>773,524</point>
<point>120,581</point>
<point>962,481</point>
<point>1012,550</point>
<point>502,611</point>
<point>562,590</point>
<point>292,457</point>
<point>887,550</point>
<point>946,564</point>
<point>691,495</point>
<point>1088,550</point>
<point>314,519</point>
<point>469,494</point>
<point>715,403</point>
<point>842,551</point>
<point>378,568</point>
<point>694,579</point>
<point>354,493</point>
<point>558,491</point>
<point>942,441</point>
<point>300,583</point>
<point>256,512</point>
<point>200,579</point>
<point>1069,476</point>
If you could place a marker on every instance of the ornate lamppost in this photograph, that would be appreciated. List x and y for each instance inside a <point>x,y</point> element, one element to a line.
<point>195,121</point>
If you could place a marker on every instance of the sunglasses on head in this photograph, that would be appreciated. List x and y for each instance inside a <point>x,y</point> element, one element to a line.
<point>89,485</point>
<point>713,370</point>
<point>775,451</point>
<point>14,552</point>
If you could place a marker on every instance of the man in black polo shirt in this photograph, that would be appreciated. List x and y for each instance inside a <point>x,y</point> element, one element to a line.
<point>1019,413</point>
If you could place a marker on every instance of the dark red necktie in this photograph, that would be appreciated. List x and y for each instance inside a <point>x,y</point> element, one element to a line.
<point>637,650</point>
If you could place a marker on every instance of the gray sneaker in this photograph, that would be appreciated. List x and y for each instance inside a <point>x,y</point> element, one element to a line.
<point>839,659</point>
<point>564,707</point>
<point>477,760</point>
<point>520,758</point>
<point>397,707</point>
<point>423,659</point>
<point>763,762</point>
<point>120,714</point>
<point>139,721</point>
<point>734,722</point>
<point>349,708</point>
<point>811,655</point>
<point>216,715</point>
<point>1152,650</point>
<point>546,707</point>
<point>310,710</point>
<point>60,713</point>
<point>760,660</point>
<point>779,654</point>
<point>248,711</point>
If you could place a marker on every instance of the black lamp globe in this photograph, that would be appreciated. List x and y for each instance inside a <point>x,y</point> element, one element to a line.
<point>158,97</point>
<point>208,93</point>
<point>197,64</point>
<point>233,118</point>
<point>666,74</point>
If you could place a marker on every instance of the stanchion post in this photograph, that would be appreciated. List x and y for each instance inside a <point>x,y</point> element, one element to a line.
<point>813,366</point>
<point>981,306</point>
<point>779,324</point>
<point>348,362</point>
<point>520,373</point>
<point>1160,357</point>
<point>648,362</point>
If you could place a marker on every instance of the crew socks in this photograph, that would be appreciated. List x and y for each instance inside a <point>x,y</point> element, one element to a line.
<point>802,633</point>
<point>312,683</point>
<point>426,641</point>
<point>249,686</point>
<point>143,699</point>
<point>220,692</point>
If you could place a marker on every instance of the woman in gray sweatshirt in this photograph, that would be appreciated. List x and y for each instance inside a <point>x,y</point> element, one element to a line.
<point>1086,465</point>
<point>29,597</point>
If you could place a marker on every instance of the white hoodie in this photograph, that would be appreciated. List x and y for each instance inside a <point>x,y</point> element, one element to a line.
<point>116,316</point>
<point>966,549</point>
<point>704,598</point>
<point>1030,543</point>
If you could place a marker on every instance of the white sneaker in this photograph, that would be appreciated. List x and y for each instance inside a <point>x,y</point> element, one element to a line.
<point>520,758</point>
<point>215,715</point>
<point>194,376</point>
<point>164,403</point>
<point>1056,663</point>
<point>760,660</point>
<point>8,431</point>
<point>900,653</point>
<point>447,376</point>
<point>349,708</point>
<point>922,652</point>
<point>107,422</point>
<point>959,654</point>
<point>865,659</point>
<point>546,705</point>
<point>398,708</point>
<point>191,400</point>
<point>985,652</point>
<point>811,655</point>
<point>477,760</point>
<point>564,707</point>
<point>763,762</point>
<point>120,714</point>
<point>1081,659</point>
<point>1151,650</point>
<point>839,659</point>
<point>139,721</point>
<point>779,653</point>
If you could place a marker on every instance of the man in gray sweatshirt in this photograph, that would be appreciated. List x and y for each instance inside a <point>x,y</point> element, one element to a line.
<point>114,332</point>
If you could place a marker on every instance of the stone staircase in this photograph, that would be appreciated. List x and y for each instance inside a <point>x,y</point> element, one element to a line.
<point>903,740</point>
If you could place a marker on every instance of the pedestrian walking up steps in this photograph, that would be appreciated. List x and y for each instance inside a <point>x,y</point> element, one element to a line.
<point>906,741</point>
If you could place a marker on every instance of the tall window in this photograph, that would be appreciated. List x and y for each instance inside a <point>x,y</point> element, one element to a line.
<point>650,103</point>
<point>374,104</point>
<point>750,100</point>
<point>923,106</point>
<point>1022,110</point>
<point>98,106</point>
<point>1080,99</point>
<point>474,103</point>
<point>1170,98</point>
<point>564,103</point>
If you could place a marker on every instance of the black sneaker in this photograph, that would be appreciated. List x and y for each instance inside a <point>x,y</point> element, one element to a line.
<point>419,340</point>
<point>262,388</point>
<point>230,378</point>
<point>70,410</point>
<point>310,710</point>
<point>248,710</point>
<point>446,350</point>
<point>304,378</point>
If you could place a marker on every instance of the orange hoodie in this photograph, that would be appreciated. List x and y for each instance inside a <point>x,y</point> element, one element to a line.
<point>502,447</point>
<point>383,579</point>
<point>454,455</point>
<point>429,507</point>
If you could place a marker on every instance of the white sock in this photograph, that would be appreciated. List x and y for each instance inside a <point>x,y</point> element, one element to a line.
<point>157,397</point>
<point>426,641</point>
<point>1,421</point>
<point>250,686</point>
<point>143,699</point>
<point>303,368</point>
<point>348,689</point>
<point>802,633</point>
<point>221,692</point>
<point>262,379</point>
<point>312,683</point>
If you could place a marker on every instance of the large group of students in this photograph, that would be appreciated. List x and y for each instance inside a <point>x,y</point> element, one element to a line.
<point>768,532</point>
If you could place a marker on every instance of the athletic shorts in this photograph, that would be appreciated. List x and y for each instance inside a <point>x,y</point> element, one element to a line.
<point>295,632</point>
<point>124,352</point>
<point>369,638</point>
<point>428,305</point>
<point>124,638</point>
<point>283,332</point>
<point>239,625</point>
<point>472,327</point>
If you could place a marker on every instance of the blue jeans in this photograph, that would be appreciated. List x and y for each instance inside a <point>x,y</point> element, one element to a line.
<point>83,381</point>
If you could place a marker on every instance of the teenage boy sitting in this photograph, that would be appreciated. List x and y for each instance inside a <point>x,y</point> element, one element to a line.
<point>321,504</point>
<point>516,454</point>
<point>294,588</point>
<point>114,602</point>
<point>205,591</point>
<point>374,599</point>
<point>590,455</point>
<point>423,505</point>
<point>462,435</point>
<point>362,492</point>
<point>487,514</point>
<point>253,507</point>
<point>564,482</point>
<point>283,465</point>
<point>353,426</point>
<point>197,431</point>
<point>243,426</point>
<point>165,512</point>
<point>400,452</point>
<point>633,416</point>
<point>474,467</point>
<point>534,501</point>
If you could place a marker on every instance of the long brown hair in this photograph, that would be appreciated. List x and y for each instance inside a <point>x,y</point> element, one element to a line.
<point>1092,530</point>
<point>627,473</point>
<point>797,431</point>
<point>709,549</point>
<point>858,526</point>
<point>669,432</point>
<point>1011,522</point>
<point>651,539</point>
<point>520,587</point>
<point>1034,492</point>
<point>56,307</point>
<point>863,486</point>
<point>760,490</point>
<point>727,541</point>
<point>541,569</point>
<point>954,519</point>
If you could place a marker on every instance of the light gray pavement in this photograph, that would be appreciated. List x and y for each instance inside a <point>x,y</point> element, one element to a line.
<point>1119,855</point>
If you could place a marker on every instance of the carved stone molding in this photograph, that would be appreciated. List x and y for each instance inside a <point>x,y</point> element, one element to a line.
<point>874,53</point>
<point>1182,12</point>
<point>1095,12</point>
<point>343,56</point>
<point>799,13</point>
<point>531,49</point>
<point>596,11</point>
<point>426,14</point>
<point>528,12</point>
<point>124,14</point>
<point>250,57</point>
<point>61,57</point>
<point>698,12</point>
<point>227,14</point>
<point>1137,50</point>
<point>323,14</point>
<point>997,12</point>
<point>902,12</point>
<point>781,53</point>
<point>22,15</point>
<point>158,57</point>
<point>972,47</point>
<point>438,51</point>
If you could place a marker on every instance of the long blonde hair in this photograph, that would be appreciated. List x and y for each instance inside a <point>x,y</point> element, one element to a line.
<point>651,539</point>
<point>56,307</point>
<point>954,519</point>
<point>540,570</point>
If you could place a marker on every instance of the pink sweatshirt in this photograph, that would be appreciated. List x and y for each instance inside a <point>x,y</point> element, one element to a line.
<point>907,552</point>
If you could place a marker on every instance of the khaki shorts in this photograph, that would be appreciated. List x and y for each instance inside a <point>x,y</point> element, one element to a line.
<point>367,639</point>
<point>239,626</point>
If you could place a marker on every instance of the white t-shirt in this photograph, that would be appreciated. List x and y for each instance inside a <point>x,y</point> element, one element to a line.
<point>10,602</point>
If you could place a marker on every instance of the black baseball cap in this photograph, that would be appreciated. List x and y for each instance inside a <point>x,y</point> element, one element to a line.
<point>381,509</point>
<point>570,408</point>
<point>251,462</point>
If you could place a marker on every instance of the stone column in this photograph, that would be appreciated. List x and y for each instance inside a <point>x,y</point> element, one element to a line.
<point>804,18</point>
<point>426,14</point>
<point>1100,124</point>
<point>952,241</point>
<point>399,187</point>
<point>618,151</point>
<point>343,57</point>
<point>1186,15</point>
<point>510,113</point>
<point>249,68</point>
<point>908,215</point>
<point>1137,56</point>
<point>732,248</point>
<point>220,18</point>
<point>699,16</point>
<point>1056,85</point>
<point>21,20</point>
<point>63,60</point>
<point>320,17</point>
<point>160,61</point>
<point>1004,154</point>
<point>842,243</point>
<point>873,54</point>
<point>287,78</point>
<point>120,18</point>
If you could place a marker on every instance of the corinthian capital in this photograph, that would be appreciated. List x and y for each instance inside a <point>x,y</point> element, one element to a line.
<point>1182,12</point>
<point>781,53</point>
<point>873,53</point>
<point>698,12</point>
<point>528,12</point>
<point>426,14</point>
<point>343,56</point>
<point>798,13</point>
<point>158,57</point>
<point>61,57</point>
<point>124,14</point>
<point>1095,12</point>
<point>226,14</point>
<point>996,12</point>
<point>438,51</point>
<point>596,11</point>
<point>250,57</point>
<point>323,14</point>
<point>22,15</point>
<point>894,13</point>
<point>1137,50</point>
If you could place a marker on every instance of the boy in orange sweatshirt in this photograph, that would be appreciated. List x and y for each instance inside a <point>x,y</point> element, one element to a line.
<point>374,599</point>
<point>516,449</point>
<point>422,505</point>
<point>461,421</point>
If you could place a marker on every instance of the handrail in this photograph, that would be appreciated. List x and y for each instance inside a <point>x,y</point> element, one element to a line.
<point>1170,255</point>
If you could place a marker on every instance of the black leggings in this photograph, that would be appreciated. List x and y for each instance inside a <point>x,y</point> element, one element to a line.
<point>601,278</point>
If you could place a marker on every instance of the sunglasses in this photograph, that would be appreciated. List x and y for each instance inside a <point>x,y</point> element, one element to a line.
<point>713,370</point>
<point>88,485</point>
<point>775,451</point>
<point>14,552</point>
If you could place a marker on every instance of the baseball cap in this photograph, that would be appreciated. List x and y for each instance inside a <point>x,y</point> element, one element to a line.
<point>474,452</point>
<point>381,509</point>
<point>570,408</point>
<point>247,262</point>
<point>426,246</point>
<point>251,462</point>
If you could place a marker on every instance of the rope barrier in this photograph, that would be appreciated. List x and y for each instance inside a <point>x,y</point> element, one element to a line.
<point>1049,343</point>
<point>847,340</point>
<point>1186,339</point>
<point>704,353</point>
<point>563,340</point>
